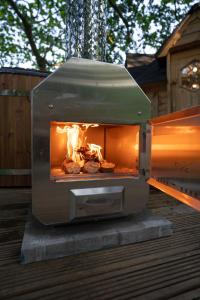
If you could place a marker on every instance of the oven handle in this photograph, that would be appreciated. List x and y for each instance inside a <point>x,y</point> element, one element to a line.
<point>99,202</point>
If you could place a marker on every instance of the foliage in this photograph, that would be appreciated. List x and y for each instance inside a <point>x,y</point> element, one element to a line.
<point>34,30</point>
<point>138,25</point>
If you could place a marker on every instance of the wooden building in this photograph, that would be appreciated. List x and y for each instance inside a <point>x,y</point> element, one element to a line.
<point>172,78</point>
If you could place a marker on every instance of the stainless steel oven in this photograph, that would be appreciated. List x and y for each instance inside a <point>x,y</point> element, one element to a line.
<point>95,150</point>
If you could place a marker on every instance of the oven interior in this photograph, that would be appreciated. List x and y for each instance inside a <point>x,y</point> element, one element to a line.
<point>83,151</point>
<point>175,157</point>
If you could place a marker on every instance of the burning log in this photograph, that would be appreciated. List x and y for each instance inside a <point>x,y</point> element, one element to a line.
<point>91,167</point>
<point>81,156</point>
<point>88,155</point>
<point>71,167</point>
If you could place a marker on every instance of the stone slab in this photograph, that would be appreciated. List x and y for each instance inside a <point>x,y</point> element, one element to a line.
<point>42,242</point>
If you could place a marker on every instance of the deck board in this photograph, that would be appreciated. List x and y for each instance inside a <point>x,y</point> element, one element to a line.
<point>166,268</point>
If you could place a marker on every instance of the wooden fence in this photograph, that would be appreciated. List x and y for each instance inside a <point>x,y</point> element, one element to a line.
<point>15,125</point>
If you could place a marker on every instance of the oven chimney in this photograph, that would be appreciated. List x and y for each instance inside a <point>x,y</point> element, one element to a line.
<point>86,29</point>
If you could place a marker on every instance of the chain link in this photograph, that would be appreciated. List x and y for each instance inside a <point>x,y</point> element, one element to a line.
<point>86,29</point>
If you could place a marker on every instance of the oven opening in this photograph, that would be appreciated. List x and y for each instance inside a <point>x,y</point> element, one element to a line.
<point>81,151</point>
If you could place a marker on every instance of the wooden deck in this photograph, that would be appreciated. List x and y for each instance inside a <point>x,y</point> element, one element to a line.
<point>166,268</point>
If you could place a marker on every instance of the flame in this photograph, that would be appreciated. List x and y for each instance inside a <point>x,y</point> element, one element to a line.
<point>96,149</point>
<point>76,138</point>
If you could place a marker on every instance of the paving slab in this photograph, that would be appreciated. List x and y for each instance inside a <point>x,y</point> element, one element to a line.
<point>41,242</point>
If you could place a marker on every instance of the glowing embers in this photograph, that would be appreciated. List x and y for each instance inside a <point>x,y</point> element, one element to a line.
<point>82,156</point>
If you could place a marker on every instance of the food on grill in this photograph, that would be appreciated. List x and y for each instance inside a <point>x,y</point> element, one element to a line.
<point>107,167</point>
<point>71,167</point>
<point>91,167</point>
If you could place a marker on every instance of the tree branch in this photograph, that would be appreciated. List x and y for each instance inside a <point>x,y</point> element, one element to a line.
<point>47,17</point>
<point>118,11</point>
<point>176,11</point>
<point>41,61</point>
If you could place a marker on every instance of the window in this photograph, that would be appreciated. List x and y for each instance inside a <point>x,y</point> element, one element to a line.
<point>190,75</point>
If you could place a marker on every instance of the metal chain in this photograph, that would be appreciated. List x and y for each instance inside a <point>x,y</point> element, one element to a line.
<point>86,29</point>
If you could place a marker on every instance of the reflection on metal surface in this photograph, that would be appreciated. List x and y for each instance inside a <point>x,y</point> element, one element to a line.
<point>188,117</point>
<point>96,201</point>
<point>97,191</point>
<point>175,154</point>
<point>183,197</point>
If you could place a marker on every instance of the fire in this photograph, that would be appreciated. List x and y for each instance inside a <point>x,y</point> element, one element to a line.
<point>96,149</point>
<point>77,140</point>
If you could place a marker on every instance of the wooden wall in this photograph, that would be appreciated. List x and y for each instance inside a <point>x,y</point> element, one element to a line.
<point>180,96</point>
<point>15,128</point>
<point>182,48</point>
<point>157,94</point>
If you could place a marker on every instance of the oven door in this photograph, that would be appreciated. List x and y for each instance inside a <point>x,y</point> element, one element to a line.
<point>174,155</point>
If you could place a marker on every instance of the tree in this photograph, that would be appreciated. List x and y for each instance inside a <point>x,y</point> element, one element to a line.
<point>138,25</point>
<point>34,30</point>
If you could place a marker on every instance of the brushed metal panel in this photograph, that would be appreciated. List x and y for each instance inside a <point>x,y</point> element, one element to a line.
<point>96,201</point>
<point>175,153</point>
